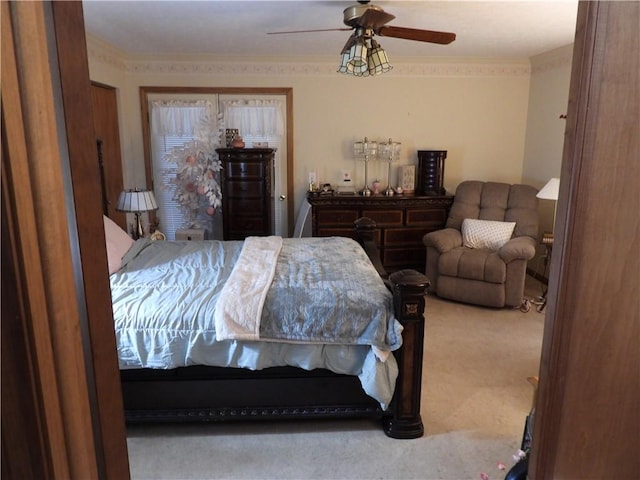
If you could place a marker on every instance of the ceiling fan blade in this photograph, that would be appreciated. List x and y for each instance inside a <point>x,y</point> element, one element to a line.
<point>374,18</point>
<point>443,38</point>
<point>318,30</point>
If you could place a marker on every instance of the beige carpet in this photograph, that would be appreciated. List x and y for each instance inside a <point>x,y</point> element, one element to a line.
<point>475,398</point>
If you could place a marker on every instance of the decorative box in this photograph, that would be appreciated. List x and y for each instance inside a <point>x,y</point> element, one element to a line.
<point>431,172</point>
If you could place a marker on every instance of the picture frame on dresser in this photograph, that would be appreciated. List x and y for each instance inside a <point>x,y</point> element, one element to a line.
<point>408,179</point>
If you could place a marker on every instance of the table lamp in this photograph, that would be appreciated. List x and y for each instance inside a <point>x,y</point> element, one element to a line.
<point>550,192</point>
<point>389,151</point>
<point>366,151</point>
<point>137,201</point>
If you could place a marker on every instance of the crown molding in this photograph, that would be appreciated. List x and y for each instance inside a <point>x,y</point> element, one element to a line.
<point>102,52</point>
<point>426,69</point>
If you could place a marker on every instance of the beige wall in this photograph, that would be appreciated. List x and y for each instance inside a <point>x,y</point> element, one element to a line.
<point>548,98</point>
<point>489,114</point>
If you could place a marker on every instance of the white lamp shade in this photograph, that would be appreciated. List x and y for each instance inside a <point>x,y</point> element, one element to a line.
<point>370,148</point>
<point>136,201</point>
<point>366,150</point>
<point>390,151</point>
<point>550,190</point>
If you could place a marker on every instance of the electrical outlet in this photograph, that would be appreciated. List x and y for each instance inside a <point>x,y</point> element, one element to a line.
<point>312,178</point>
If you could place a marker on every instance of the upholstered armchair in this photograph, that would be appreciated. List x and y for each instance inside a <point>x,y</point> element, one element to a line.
<point>481,256</point>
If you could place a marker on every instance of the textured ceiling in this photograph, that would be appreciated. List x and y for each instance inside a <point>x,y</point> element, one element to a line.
<point>239,28</point>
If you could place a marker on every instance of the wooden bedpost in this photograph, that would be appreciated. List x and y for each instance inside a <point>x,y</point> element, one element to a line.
<point>409,288</point>
<point>365,230</point>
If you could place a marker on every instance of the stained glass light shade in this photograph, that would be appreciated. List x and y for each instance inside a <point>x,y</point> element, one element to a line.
<point>377,59</point>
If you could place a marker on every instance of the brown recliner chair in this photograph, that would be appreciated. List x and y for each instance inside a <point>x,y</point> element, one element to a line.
<point>484,276</point>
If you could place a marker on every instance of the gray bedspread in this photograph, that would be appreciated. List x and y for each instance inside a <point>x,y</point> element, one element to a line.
<point>326,308</point>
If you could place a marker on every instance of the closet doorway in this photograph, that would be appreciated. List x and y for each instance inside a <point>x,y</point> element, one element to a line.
<point>216,101</point>
<point>104,104</point>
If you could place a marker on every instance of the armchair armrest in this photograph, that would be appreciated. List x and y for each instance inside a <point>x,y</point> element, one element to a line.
<point>443,240</point>
<point>518,248</point>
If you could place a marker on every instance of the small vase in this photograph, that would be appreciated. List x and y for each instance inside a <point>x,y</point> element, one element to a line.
<point>376,187</point>
<point>237,142</point>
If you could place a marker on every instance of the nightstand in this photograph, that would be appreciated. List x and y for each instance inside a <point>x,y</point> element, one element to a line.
<point>192,234</point>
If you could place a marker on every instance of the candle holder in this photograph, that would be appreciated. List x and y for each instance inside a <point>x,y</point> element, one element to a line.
<point>366,151</point>
<point>389,151</point>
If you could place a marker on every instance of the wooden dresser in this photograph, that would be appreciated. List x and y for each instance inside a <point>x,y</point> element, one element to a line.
<point>402,222</point>
<point>247,191</point>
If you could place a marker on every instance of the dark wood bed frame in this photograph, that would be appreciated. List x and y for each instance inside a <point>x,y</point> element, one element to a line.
<point>214,394</point>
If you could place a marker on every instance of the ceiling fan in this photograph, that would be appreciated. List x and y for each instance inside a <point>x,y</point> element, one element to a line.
<point>362,55</point>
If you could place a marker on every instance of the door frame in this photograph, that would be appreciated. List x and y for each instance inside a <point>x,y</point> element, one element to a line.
<point>58,245</point>
<point>46,219</point>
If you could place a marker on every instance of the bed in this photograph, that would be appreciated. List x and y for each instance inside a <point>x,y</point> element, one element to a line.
<point>267,328</point>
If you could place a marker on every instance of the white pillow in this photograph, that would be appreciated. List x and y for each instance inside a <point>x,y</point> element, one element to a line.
<point>486,233</point>
<point>118,243</point>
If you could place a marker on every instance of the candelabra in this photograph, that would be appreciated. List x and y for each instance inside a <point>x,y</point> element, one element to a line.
<point>366,151</point>
<point>389,151</point>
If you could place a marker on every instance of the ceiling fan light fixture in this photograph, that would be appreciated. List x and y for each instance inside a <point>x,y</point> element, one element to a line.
<point>344,66</point>
<point>377,59</point>
<point>358,57</point>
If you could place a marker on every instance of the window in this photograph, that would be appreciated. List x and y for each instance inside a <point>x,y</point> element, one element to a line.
<point>158,173</point>
<point>184,163</point>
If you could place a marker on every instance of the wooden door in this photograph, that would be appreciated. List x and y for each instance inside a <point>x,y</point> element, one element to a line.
<point>587,411</point>
<point>55,282</point>
<point>24,448</point>
<point>105,124</point>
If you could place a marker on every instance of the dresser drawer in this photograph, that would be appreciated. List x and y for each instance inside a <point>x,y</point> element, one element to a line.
<point>428,217</point>
<point>414,256</point>
<point>403,236</point>
<point>401,223</point>
<point>336,232</point>
<point>384,218</point>
<point>242,205</point>
<point>242,223</point>
<point>330,216</point>
<point>245,189</point>
<point>244,170</point>
<point>344,232</point>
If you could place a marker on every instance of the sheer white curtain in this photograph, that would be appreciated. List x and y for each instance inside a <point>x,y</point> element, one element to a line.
<point>184,136</point>
<point>262,121</point>
<point>255,118</point>
<point>178,118</point>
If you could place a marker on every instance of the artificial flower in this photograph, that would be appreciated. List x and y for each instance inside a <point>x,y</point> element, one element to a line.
<point>195,181</point>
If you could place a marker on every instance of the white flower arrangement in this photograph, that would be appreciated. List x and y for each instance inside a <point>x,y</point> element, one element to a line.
<point>196,184</point>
